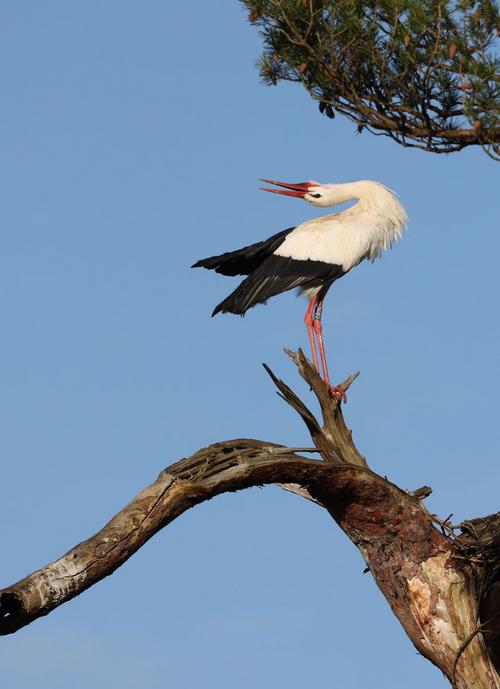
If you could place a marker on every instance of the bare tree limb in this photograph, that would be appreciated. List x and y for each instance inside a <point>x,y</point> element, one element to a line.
<point>430,585</point>
<point>479,544</point>
<point>222,467</point>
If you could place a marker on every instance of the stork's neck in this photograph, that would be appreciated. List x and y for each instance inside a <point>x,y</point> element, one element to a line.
<point>367,194</point>
<point>349,192</point>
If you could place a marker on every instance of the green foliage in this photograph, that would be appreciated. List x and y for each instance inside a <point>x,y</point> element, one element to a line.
<point>423,72</point>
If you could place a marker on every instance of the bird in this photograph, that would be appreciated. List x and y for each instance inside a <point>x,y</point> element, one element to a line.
<point>314,254</point>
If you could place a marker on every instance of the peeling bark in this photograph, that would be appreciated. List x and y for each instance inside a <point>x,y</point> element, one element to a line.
<point>431,581</point>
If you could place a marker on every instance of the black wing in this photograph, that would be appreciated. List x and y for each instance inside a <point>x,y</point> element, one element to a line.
<point>244,261</point>
<point>275,275</point>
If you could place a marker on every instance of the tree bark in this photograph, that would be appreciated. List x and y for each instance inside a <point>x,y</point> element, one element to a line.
<point>439,586</point>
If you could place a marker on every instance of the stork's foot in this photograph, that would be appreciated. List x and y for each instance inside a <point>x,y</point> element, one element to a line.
<point>338,392</point>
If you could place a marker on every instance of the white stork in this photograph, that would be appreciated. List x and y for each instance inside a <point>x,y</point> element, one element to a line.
<point>314,254</point>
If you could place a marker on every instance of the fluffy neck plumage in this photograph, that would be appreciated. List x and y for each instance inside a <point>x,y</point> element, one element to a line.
<point>381,207</point>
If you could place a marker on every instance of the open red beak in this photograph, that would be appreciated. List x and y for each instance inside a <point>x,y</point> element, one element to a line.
<point>299,190</point>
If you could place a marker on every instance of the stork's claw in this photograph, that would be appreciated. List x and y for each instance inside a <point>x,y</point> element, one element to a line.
<point>338,392</point>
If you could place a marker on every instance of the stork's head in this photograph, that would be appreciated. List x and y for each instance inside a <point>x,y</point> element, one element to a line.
<point>322,195</point>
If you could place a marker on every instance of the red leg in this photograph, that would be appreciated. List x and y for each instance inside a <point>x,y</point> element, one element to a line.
<point>318,329</point>
<point>308,320</point>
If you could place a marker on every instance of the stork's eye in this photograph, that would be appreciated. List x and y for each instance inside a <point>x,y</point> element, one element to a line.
<point>316,196</point>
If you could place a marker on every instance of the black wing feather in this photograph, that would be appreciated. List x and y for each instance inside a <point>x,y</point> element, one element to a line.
<point>244,261</point>
<point>275,275</point>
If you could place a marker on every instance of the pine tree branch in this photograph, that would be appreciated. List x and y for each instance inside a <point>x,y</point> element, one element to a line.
<point>421,72</point>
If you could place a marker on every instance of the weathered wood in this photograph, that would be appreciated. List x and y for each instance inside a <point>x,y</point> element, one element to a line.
<point>429,580</point>
<point>435,593</point>
<point>479,544</point>
<point>216,469</point>
<point>333,439</point>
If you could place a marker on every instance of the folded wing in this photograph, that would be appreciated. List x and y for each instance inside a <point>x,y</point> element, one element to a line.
<point>244,261</point>
<point>275,275</point>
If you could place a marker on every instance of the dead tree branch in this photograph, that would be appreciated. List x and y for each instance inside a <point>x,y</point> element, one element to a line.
<point>429,583</point>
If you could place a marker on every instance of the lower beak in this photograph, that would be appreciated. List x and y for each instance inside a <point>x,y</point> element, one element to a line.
<point>298,190</point>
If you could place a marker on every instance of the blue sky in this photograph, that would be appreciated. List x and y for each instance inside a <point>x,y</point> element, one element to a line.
<point>133,136</point>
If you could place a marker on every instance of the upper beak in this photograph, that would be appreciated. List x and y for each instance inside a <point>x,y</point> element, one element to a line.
<point>299,190</point>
